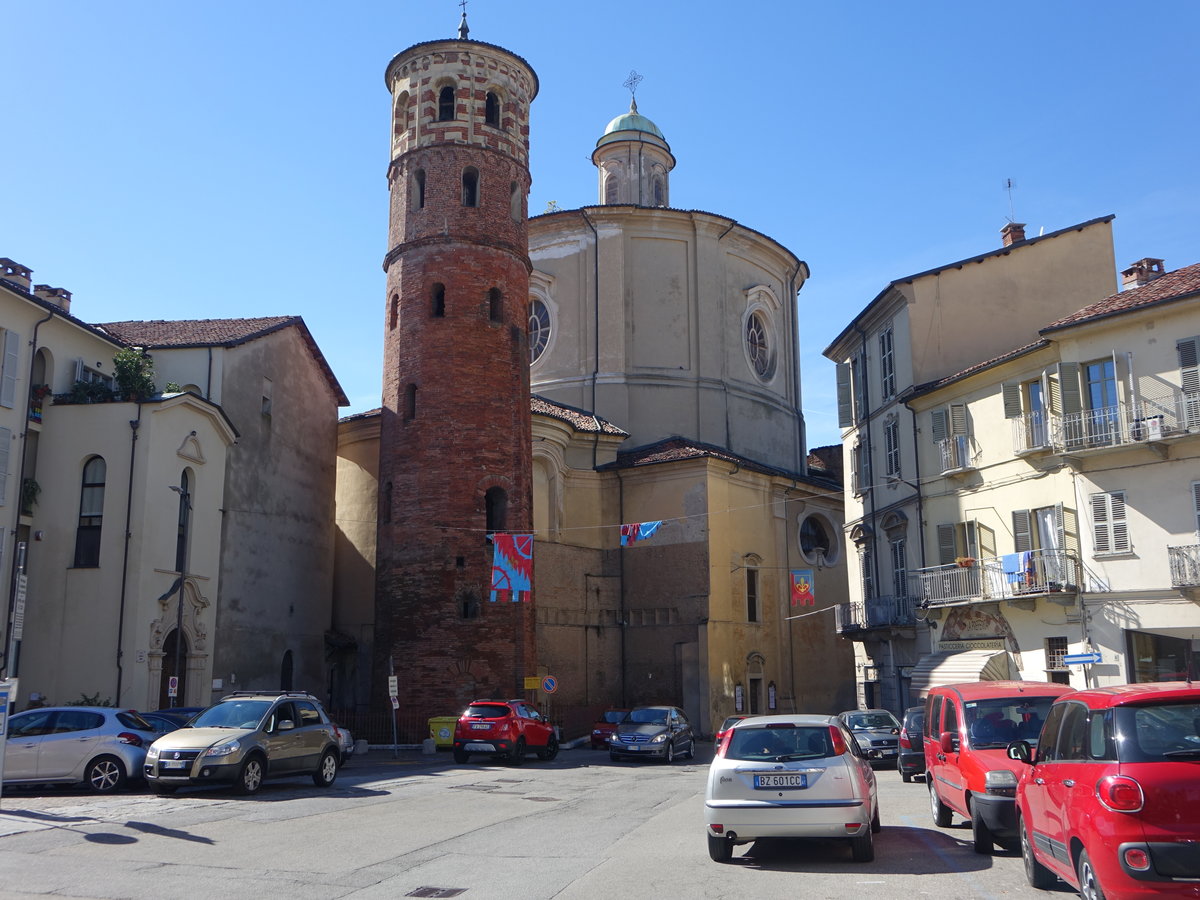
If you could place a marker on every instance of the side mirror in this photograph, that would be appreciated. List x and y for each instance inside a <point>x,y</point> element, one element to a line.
<point>287,725</point>
<point>948,742</point>
<point>1020,750</point>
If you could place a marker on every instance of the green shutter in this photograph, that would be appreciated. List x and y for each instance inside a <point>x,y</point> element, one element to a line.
<point>946,546</point>
<point>844,404</point>
<point>1022,530</point>
<point>1011,392</point>
<point>939,425</point>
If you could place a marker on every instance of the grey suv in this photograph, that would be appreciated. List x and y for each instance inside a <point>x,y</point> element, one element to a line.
<point>245,738</point>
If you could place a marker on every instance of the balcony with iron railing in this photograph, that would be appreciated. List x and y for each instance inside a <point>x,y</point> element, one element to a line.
<point>955,453</point>
<point>1123,424</point>
<point>1017,576</point>
<point>1185,566</point>
<point>878,612</point>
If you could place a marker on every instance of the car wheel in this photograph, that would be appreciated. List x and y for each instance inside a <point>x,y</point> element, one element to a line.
<point>862,848</point>
<point>876,825</point>
<point>906,777</point>
<point>327,770</point>
<point>720,849</point>
<point>518,752</point>
<point>551,750</point>
<point>1037,874</point>
<point>980,833</point>
<point>104,774</point>
<point>250,778</point>
<point>163,790</point>
<point>670,754</point>
<point>461,756</point>
<point>1089,883</point>
<point>612,756</point>
<point>942,814</point>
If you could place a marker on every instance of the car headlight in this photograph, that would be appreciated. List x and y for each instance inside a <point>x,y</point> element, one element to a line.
<point>658,738</point>
<point>615,738</point>
<point>1000,783</point>
<point>152,753</point>
<point>597,731</point>
<point>226,749</point>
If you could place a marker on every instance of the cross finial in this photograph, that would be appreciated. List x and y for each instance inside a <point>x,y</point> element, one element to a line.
<point>632,83</point>
<point>463,30</point>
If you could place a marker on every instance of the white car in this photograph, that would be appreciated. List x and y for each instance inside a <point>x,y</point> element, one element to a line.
<point>791,776</point>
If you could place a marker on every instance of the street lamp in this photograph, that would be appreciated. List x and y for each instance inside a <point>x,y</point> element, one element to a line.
<point>181,552</point>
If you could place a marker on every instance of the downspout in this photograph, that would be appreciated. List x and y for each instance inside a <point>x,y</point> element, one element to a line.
<point>801,464</point>
<point>724,362</point>
<point>134,424</point>
<point>595,327</point>
<point>208,382</point>
<point>622,621</point>
<point>9,670</point>
<point>917,483</point>
<point>866,396</point>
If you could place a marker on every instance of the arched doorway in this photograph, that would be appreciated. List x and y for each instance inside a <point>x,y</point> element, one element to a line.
<point>168,669</point>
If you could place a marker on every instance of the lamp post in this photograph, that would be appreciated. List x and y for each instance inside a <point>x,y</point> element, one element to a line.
<point>181,553</point>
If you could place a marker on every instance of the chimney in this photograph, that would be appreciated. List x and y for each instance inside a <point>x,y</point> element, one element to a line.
<point>1142,272</point>
<point>1013,233</point>
<point>14,271</point>
<point>60,297</point>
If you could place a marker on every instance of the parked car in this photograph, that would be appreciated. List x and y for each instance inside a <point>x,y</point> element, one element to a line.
<point>729,722</point>
<point>604,725</point>
<point>876,730</point>
<point>790,776</point>
<point>912,743</point>
<point>345,742</point>
<point>98,746</point>
<point>1110,800</point>
<point>967,768</point>
<point>165,720</point>
<point>504,729</point>
<point>245,738</point>
<point>653,732</point>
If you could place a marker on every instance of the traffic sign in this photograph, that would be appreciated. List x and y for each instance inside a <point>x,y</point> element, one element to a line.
<point>549,684</point>
<point>1080,659</point>
<point>393,686</point>
<point>173,686</point>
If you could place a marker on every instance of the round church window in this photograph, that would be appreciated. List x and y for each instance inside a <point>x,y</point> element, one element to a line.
<point>758,347</point>
<point>539,329</point>
<point>816,540</point>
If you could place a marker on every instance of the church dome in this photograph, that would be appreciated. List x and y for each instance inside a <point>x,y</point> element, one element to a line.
<point>633,121</point>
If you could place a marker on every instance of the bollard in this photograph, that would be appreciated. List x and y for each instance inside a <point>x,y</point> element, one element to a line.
<point>428,747</point>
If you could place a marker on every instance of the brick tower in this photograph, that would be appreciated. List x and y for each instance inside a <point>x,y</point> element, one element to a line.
<point>455,442</point>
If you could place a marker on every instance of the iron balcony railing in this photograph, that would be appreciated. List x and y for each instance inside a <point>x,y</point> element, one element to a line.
<point>999,578</point>
<point>878,612</point>
<point>1108,426</point>
<point>1185,566</point>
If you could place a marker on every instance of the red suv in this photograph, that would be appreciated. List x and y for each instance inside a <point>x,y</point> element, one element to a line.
<point>968,729</point>
<point>505,729</point>
<point>1110,801</point>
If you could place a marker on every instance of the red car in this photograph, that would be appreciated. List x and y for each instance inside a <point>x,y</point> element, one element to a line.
<point>1110,801</point>
<point>604,726</point>
<point>504,729</point>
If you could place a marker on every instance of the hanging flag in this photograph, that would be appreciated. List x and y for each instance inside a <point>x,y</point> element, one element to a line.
<point>638,531</point>
<point>512,567</point>
<point>802,588</point>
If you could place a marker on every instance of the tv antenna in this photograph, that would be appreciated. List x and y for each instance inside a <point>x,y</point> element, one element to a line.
<point>1009,184</point>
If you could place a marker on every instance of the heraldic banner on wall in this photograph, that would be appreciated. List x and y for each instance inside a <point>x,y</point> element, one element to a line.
<point>512,567</point>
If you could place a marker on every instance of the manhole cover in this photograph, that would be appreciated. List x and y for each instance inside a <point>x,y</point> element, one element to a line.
<point>543,799</point>
<point>435,892</point>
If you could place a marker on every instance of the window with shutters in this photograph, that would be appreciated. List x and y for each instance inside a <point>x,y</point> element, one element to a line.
<point>866,571</point>
<point>1046,548</point>
<point>899,568</point>
<point>1025,407</point>
<point>891,445</point>
<point>1110,530</point>
<point>861,467</point>
<point>1189,380</point>
<point>9,367</point>
<point>965,540</point>
<point>1195,505</point>
<point>950,431</point>
<point>887,364</point>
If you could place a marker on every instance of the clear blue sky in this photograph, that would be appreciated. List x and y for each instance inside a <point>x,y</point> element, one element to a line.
<point>215,158</point>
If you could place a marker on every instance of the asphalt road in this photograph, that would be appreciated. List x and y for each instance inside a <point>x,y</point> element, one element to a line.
<point>578,827</point>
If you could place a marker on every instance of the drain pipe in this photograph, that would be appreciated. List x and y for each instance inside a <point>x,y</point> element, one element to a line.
<point>623,622</point>
<point>595,327</point>
<point>134,425</point>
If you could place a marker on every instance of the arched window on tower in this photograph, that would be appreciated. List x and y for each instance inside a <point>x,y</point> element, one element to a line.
<point>446,105</point>
<point>418,189</point>
<point>410,402</point>
<point>394,312</point>
<point>660,194</point>
<point>438,295</point>
<point>610,188</point>
<point>402,114</point>
<point>491,110</point>
<point>470,186</point>
<point>91,512</point>
<point>496,507</point>
<point>495,305</point>
<point>514,201</point>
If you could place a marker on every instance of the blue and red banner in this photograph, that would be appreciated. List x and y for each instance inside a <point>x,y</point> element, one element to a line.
<point>512,567</point>
<point>638,531</point>
<point>802,588</point>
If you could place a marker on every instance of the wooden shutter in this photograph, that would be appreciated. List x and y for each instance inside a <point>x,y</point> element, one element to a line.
<point>1110,530</point>
<point>985,542</point>
<point>1011,392</point>
<point>1189,380</point>
<point>1067,522</point>
<point>8,375</point>
<point>947,549</point>
<point>939,423</point>
<point>1022,530</point>
<point>958,419</point>
<point>844,403</point>
<point>1070,396</point>
<point>1196,504</point>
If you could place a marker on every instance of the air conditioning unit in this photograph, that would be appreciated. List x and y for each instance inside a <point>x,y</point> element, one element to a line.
<point>1148,429</point>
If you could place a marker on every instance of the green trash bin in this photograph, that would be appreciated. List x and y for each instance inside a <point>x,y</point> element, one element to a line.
<point>441,729</point>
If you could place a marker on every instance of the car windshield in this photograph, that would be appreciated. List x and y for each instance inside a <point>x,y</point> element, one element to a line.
<point>730,722</point>
<point>994,723</point>
<point>131,719</point>
<point>780,742</point>
<point>1159,733</point>
<point>915,721</point>
<point>613,716</point>
<point>859,721</point>
<point>233,714</point>
<point>486,711</point>
<point>647,717</point>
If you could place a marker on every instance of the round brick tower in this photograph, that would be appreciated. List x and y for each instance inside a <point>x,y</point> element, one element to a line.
<point>455,442</point>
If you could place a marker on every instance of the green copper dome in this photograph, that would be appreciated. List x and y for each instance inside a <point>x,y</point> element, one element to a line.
<point>633,121</point>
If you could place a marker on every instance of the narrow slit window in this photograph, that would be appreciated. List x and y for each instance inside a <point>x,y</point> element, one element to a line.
<point>439,300</point>
<point>418,198</point>
<point>496,507</point>
<point>470,186</point>
<point>394,312</point>
<point>491,110</point>
<point>410,402</point>
<point>495,305</point>
<point>446,105</point>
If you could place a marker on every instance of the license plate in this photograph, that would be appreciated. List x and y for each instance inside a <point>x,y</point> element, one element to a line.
<point>480,726</point>
<point>781,781</point>
<point>480,748</point>
<point>174,763</point>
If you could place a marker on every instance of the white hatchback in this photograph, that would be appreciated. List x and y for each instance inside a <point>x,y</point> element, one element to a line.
<point>791,776</point>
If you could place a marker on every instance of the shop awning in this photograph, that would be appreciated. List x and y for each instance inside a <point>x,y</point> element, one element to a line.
<point>953,666</point>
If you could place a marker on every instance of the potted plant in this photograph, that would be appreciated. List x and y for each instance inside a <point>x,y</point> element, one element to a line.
<point>134,373</point>
<point>964,562</point>
<point>29,495</point>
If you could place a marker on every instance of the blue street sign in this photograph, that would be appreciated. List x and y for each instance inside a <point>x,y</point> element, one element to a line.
<point>1080,659</point>
<point>549,684</point>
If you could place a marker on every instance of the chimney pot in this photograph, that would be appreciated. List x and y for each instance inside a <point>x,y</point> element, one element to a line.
<point>1142,272</point>
<point>60,297</point>
<point>1013,233</point>
<point>15,272</point>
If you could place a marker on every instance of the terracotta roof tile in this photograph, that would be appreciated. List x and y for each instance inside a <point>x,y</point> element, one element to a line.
<point>1175,285</point>
<point>579,419</point>
<point>676,449</point>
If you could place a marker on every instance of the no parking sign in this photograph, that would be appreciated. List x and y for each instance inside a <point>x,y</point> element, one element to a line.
<point>550,684</point>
